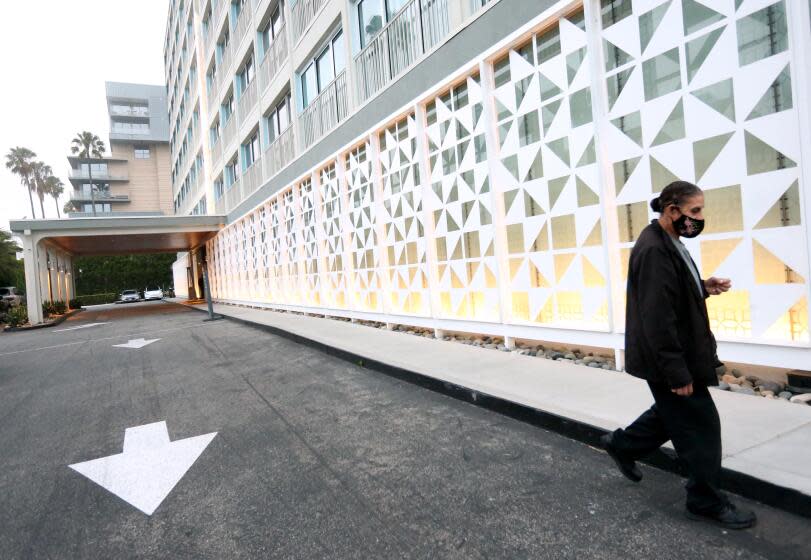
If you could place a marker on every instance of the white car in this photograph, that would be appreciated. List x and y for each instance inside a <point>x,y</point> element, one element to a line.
<point>11,295</point>
<point>153,292</point>
<point>129,295</point>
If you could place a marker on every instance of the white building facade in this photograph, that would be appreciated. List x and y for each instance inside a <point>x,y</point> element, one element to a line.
<point>487,166</point>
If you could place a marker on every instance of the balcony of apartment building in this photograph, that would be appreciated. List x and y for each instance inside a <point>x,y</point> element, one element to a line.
<point>272,47</point>
<point>100,193</point>
<point>323,99</point>
<point>99,172</point>
<point>302,12</point>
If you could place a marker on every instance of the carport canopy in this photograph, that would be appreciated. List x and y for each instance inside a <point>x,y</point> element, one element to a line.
<point>50,245</point>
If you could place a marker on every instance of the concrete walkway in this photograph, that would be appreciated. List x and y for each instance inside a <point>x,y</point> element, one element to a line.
<point>766,439</point>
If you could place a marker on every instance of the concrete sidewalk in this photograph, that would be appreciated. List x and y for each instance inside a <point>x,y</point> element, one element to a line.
<point>769,440</point>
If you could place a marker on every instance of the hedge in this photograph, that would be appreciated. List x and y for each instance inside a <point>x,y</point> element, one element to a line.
<point>96,299</point>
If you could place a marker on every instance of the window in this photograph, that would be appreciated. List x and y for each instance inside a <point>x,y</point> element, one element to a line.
<point>211,78</point>
<point>96,168</point>
<point>251,151</point>
<point>219,188</point>
<point>227,108</point>
<point>130,127</point>
<point>214,133</point>
<point>319,73</point>
<point>272,28</point>
<point>100,207</point>
<point>762,34</point>
<point>278,119</point>
<point>230,172</point>
<point>246,75</point>
<point>141,153</point>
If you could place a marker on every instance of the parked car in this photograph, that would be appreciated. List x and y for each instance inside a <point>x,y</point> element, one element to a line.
<point>129,296</point>
<point>12,296</point>
<point>153,292</point>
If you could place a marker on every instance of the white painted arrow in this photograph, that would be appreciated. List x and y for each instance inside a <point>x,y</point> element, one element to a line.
<point>148,469</point>
<point>137,343</point>
<point>77,327</point>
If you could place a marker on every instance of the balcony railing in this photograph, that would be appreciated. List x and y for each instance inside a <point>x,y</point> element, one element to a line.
<point>78,174</point>
<point>324,113</point>
<point>213,95</point>
<point>243,21</point>
<point>417,27</point>
<point>229,131</point>
<point>280,152</point>
<point>81,196</point>
<point>274,58</point>
<point>247,102</point>
<point>302,14</point>
<point>225,66</point>
<point>216,155</point>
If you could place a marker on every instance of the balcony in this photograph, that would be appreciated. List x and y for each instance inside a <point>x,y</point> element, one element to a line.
<point>243,22</point>
<point>120,111</point>
<point>416,28</point>
<point>324,113</point>
<point>80,175</point>
<point>229,131</point>
<point>213,96</point>
<point>225,66</point>
<point>280,152</point>
<point>99,196</point>
<point>275,56</point>
<point>216,155</point>
<point>302,14</point>
<point>247,102</point>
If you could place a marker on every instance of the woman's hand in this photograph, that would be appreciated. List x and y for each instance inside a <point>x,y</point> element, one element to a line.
<point>685,391</point>
<point>716,286</point>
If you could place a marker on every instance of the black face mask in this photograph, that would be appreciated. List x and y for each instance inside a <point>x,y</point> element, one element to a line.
<point>688,227</point>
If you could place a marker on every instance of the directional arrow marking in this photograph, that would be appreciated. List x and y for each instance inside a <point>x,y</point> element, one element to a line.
<point>77,327</point>
<point>148,469</point>
<point>137,343</point>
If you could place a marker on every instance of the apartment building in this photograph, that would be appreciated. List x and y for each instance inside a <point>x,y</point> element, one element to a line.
<point>134,178</point>
<point>486,166</point>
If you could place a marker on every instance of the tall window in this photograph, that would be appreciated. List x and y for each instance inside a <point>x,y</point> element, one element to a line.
<point>278,119</point>
<point>251,151</point>
<point>230,172</point>
<point>373,16</point>
<point>246,75</point>
<point>227,108</point>
<point>272,28</point>
<point>142,153</point>
<point>214,133</point>
<point>319,73</point>
<point>211,78</point>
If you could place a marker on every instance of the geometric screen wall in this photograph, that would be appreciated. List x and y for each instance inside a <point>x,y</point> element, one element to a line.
<point>494,196</point>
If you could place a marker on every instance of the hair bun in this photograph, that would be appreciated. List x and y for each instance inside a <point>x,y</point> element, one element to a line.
<point>656,204</point>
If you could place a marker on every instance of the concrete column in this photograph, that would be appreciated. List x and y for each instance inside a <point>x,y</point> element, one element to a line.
<point>32,279</point>
<point>195,270</point>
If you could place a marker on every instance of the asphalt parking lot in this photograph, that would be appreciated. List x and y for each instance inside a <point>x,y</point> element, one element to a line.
<point>313,457</point>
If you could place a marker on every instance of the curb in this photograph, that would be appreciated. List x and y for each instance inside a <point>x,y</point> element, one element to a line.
<point>58,321</point>
<point>779,497</point>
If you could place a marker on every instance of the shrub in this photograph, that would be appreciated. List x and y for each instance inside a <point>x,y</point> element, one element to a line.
<point>59,307</point>
<point>17,316</point>
<point>75,304</point>
<point>48,308</point>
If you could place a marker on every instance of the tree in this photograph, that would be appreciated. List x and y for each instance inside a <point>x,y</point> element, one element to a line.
<point>107,274</point>
<point>55,188</point>
<point>40,173</point>
<point>87,145</point>
<point>19,161</point>
<point>9,265</point>
<point>69,207</point>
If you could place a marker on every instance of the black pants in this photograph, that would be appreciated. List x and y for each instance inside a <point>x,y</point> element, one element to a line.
<point>692,424</point>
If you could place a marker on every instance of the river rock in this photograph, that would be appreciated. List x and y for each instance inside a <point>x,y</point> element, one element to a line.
<point>723,385</point>
<point>742,390</point>
<point>767,394</point>
<point>785,395</point>
<point>731,379</point>
<point>805,398</point>
<point>736,372</point>
<point>771,386</point>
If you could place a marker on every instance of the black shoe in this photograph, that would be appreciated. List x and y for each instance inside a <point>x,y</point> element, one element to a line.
<point>729,517</point>
<point>626,466</point>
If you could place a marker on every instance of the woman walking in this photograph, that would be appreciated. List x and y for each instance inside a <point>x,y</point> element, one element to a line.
<point>668,342</point>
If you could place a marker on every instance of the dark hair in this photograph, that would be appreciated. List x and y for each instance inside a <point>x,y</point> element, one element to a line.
<point>675,193</point>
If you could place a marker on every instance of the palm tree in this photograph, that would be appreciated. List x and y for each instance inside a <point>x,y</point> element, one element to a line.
<point>87,145</point>
<point>69,207</point>
<point>40,173</point>
<point>18,160</point>
<point>55,188</point>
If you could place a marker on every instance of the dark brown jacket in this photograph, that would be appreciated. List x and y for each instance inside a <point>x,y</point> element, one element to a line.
<point>667,330</point>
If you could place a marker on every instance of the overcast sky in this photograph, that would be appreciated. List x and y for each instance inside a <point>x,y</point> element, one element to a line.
<point>56,56</point>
